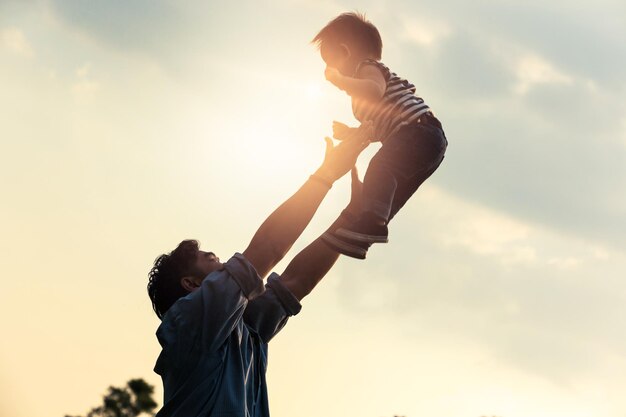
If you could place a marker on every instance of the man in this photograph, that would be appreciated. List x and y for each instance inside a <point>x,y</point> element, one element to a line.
<point>217,318</point>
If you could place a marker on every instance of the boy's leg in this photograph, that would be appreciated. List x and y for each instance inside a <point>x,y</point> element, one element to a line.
<point>379,187</point>
<point>406,189</point>
<point>397,170</point>
<point>431,144</point>
<point>354,238</point>
<point>404,162</point>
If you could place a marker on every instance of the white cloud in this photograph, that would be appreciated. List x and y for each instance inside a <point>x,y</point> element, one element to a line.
<point>505,239</point>
<point>426,32</point>
<point>622,133</point>
<point>532,69</point>
<point>14,40</point>
<point>600,254</point>
<point>84,87</point>
<point>83,70</point>
<point>566,263</point>
<point>487,233</point>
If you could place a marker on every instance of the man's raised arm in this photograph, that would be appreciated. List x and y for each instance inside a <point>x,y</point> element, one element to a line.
<point>309,266</point>
<point>281,229</point>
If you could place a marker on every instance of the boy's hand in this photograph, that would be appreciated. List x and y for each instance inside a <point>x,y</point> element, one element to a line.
<point>344,132</point>
<point>333,75</point>
<point>341,131</point>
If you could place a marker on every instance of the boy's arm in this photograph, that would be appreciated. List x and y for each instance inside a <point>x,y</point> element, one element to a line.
<point>370,85</point>
<point>281,229</point>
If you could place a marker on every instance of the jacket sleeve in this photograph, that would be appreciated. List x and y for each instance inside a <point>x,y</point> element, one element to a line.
<point>212,312</point>
<point>267,314</point>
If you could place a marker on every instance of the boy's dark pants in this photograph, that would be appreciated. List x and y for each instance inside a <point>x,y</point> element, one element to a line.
<point>404,162</point>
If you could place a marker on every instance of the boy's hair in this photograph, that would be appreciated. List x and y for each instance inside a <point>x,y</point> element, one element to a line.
<point>164,286</point>
<point>352,29</point>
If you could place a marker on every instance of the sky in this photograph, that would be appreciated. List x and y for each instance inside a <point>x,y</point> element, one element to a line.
<point>126,127</point>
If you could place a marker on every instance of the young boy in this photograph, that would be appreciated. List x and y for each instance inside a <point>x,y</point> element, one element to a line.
<point>413,141</point>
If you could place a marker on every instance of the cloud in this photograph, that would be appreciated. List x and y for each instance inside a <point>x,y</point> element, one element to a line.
<point>83,70</point>
<point>195,42</point>
<point>425,31</point>
<point>491,234</point>
<point>582,39</point>
<point>539,314</point>
<point>84,87</point>
<point>533,70</point>
<point>565,263</point>
<point>528,134</point>
<point>136,25</point>
<point>463,66</point>
<point>621,135</point>
<point>15,41</point>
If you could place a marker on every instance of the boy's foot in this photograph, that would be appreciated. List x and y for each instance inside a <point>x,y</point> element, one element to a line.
<point>364,230</point>
<point>356,250</point>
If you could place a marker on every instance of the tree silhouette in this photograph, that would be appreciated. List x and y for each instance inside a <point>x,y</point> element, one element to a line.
<point>129,401</point>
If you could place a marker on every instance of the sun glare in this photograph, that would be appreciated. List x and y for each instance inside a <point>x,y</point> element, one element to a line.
<point>313,91</point>
<point>271,147</point>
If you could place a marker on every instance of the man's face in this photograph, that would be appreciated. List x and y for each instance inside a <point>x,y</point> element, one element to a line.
<point>207,262</point>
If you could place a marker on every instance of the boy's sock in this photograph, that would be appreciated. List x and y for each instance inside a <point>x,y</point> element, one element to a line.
<point>369,228</point>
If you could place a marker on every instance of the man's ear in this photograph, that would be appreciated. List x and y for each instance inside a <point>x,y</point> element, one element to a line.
<point>189,283</point>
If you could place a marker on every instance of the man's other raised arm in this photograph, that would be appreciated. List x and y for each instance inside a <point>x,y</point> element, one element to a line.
<point>309,266</point>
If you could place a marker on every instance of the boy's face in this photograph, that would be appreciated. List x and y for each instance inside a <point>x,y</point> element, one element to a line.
<point>337,56</point>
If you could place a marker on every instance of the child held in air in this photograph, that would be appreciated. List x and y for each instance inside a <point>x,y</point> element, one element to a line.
<point>413,141</point>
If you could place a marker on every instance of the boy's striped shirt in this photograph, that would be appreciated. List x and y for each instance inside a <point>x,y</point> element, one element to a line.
<point>398,107</point>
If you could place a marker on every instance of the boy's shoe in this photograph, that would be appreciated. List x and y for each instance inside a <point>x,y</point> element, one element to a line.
<point>364,230</point>
<point>346,247</point>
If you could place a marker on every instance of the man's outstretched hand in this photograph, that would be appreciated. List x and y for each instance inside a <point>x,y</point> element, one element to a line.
<point>341,158</point>
<point>280,230</point>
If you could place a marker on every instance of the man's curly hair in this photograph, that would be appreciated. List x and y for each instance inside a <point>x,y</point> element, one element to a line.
<point>164,286</point>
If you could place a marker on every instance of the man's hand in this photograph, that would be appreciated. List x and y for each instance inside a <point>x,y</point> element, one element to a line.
<point>281,229</point>
<point>341,158</point>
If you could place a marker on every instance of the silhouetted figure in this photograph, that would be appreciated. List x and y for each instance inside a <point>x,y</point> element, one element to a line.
<point>413,141</point>
<point>217,318</point>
